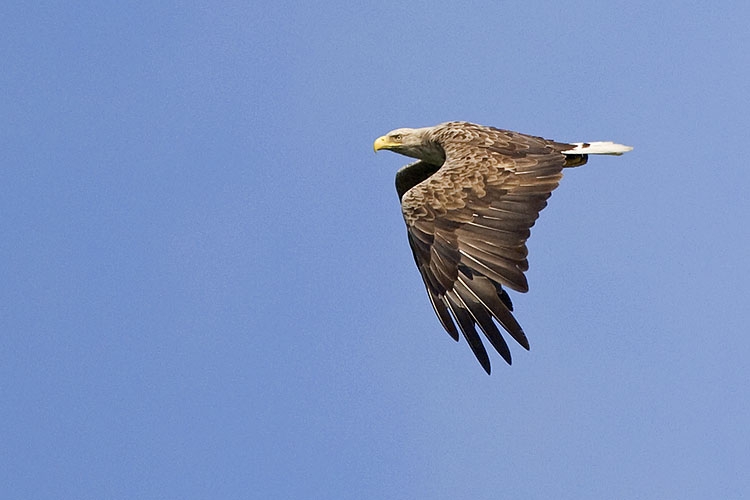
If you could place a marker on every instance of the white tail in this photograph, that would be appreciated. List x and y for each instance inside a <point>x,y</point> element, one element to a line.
<point>598,148</point>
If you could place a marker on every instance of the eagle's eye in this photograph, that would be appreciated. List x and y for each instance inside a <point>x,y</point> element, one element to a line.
<point>396,137</point>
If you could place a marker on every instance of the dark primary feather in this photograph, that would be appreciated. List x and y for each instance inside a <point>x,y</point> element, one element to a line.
<point>468,221</point>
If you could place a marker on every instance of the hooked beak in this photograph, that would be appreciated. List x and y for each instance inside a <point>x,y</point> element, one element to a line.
<point>381,143</point>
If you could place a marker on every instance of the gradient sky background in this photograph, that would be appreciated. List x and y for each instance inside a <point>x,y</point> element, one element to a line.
<point>207,290</point>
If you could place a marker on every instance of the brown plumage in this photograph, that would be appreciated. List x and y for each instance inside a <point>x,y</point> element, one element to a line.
<point>469,203</point>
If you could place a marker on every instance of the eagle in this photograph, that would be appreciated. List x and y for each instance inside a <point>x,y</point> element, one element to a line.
<point>469,202</point>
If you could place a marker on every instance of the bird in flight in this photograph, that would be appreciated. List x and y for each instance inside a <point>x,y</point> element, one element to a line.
<point>469,202</point>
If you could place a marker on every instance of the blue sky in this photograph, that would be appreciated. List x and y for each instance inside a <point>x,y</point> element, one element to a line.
<point>208,293</point>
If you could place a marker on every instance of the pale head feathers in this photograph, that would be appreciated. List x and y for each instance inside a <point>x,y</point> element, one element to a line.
<point>413,142</point>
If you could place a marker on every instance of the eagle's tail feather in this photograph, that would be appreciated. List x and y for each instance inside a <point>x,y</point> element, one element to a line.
<point>598,148</point>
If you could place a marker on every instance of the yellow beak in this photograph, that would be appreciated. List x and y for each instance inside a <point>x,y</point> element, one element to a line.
<point>380,143</point>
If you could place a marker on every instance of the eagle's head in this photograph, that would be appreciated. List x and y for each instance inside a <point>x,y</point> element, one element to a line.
<point>413,142</point>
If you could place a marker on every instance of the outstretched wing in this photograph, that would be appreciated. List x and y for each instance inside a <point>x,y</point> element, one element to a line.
<point>468,224</point>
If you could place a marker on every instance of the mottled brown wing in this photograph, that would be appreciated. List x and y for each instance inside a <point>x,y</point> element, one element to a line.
<point>468,224</point>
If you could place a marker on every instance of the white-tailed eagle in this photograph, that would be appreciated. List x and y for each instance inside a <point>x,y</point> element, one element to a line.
<point>469,204</point>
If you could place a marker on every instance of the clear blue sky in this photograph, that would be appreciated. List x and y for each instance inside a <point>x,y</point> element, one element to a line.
<point>207,290</point>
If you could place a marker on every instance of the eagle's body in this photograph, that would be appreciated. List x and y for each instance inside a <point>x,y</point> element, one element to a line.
<point>469,203</point>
